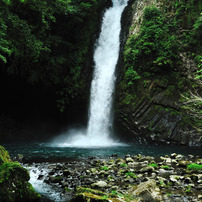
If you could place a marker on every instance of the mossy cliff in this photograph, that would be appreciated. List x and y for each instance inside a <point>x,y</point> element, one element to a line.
<point>158,96</point>
<point>14,185</point>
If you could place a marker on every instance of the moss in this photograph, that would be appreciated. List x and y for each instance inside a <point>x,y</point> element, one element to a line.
<point>153,165</point>
<point>89,197</point>
<point>123,165</point>
<point>104,168</point>
<point>194,166</point>
<point>93,195</point>
<point>88,190</point>
<point>131,174</point>
<point>87,194</point>
<point>14,185</point>
<point>4,155</point>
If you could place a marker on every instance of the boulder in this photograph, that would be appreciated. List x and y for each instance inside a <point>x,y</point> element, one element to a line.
<point>148,191</point>
<point>14,185</point>
<point>91,195</point>
<point>100,184</point>
<point>55,179</point>
<point>179,157</point>
<point>165,173</point>
<point>129,159</point>
<point>66,172</point>
<point>175,178</point>
<point>133,164</point>
<point>147,169</point>
<point>200,197</point>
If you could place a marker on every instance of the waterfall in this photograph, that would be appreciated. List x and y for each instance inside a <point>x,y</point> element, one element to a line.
<point>105,57</point>
<point>102,87</point>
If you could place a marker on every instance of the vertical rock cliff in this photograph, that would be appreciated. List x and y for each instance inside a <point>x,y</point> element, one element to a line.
<point>158,96</point>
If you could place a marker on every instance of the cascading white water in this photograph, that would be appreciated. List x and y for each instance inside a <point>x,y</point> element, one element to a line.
<point>105,57</point>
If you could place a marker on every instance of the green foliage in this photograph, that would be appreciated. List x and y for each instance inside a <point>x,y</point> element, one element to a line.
<point>155,47</point>
<point>114,192</point>
<point>187,189</point>
<point>123,165</point>
<point>153,165</point>
<point>198,60</point>
<point>4,155</point>
<point>165,167</point>
<point>186,12</point>
<point>5,47</point>
<point>131,174</point>
<point>104,168</point>
<point>194,166</point>
<point>8,170</point>
<point>131,75</point>
<point>46,42</point>
<point>14,185</point>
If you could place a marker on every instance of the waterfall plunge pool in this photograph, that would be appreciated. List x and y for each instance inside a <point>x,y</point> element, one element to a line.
<point>44,152</point>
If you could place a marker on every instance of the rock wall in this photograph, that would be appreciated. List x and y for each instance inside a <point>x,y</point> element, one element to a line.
<point>151,110</point>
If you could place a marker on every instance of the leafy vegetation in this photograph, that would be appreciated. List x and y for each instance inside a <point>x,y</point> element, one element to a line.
<point>153,165</point>
<point>165,167</point>
<point>123,165</point>
<point>4,156</point>
<point>46,42</point>
<point>194,166</point>
<point>131,174</point>
<point>163,56</point>
<point>156,42</point>
<point>104,168</point>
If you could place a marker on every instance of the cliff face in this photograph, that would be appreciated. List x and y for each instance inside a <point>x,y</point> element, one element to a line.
<point>160,75</point>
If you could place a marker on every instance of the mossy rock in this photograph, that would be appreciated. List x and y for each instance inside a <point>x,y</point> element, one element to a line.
<point>91,195</point>
<point>14,185</point>
<point>4,156</point>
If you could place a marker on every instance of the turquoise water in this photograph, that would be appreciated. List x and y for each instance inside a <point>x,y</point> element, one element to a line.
<point>46,152</point>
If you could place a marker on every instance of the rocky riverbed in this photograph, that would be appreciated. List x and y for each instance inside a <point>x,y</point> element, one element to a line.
<point>132,178</point>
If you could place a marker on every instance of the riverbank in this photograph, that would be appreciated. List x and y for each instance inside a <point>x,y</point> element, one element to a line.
<point>172,177</point>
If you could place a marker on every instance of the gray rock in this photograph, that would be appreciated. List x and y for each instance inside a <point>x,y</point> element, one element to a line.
<point>147,169</point>
<point>200,197</point>
<point>148,191</point>
<point>100,184</point>
<point>129,159</point>
<point>66,172</point>
<point>133,164</point>
<point>173,155</point>
<point>165,173</point>
<point>199,176</point>
<point>168,161</point>
<point>179,157</point>
<point>55,179</point>
<point>175,178</point>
